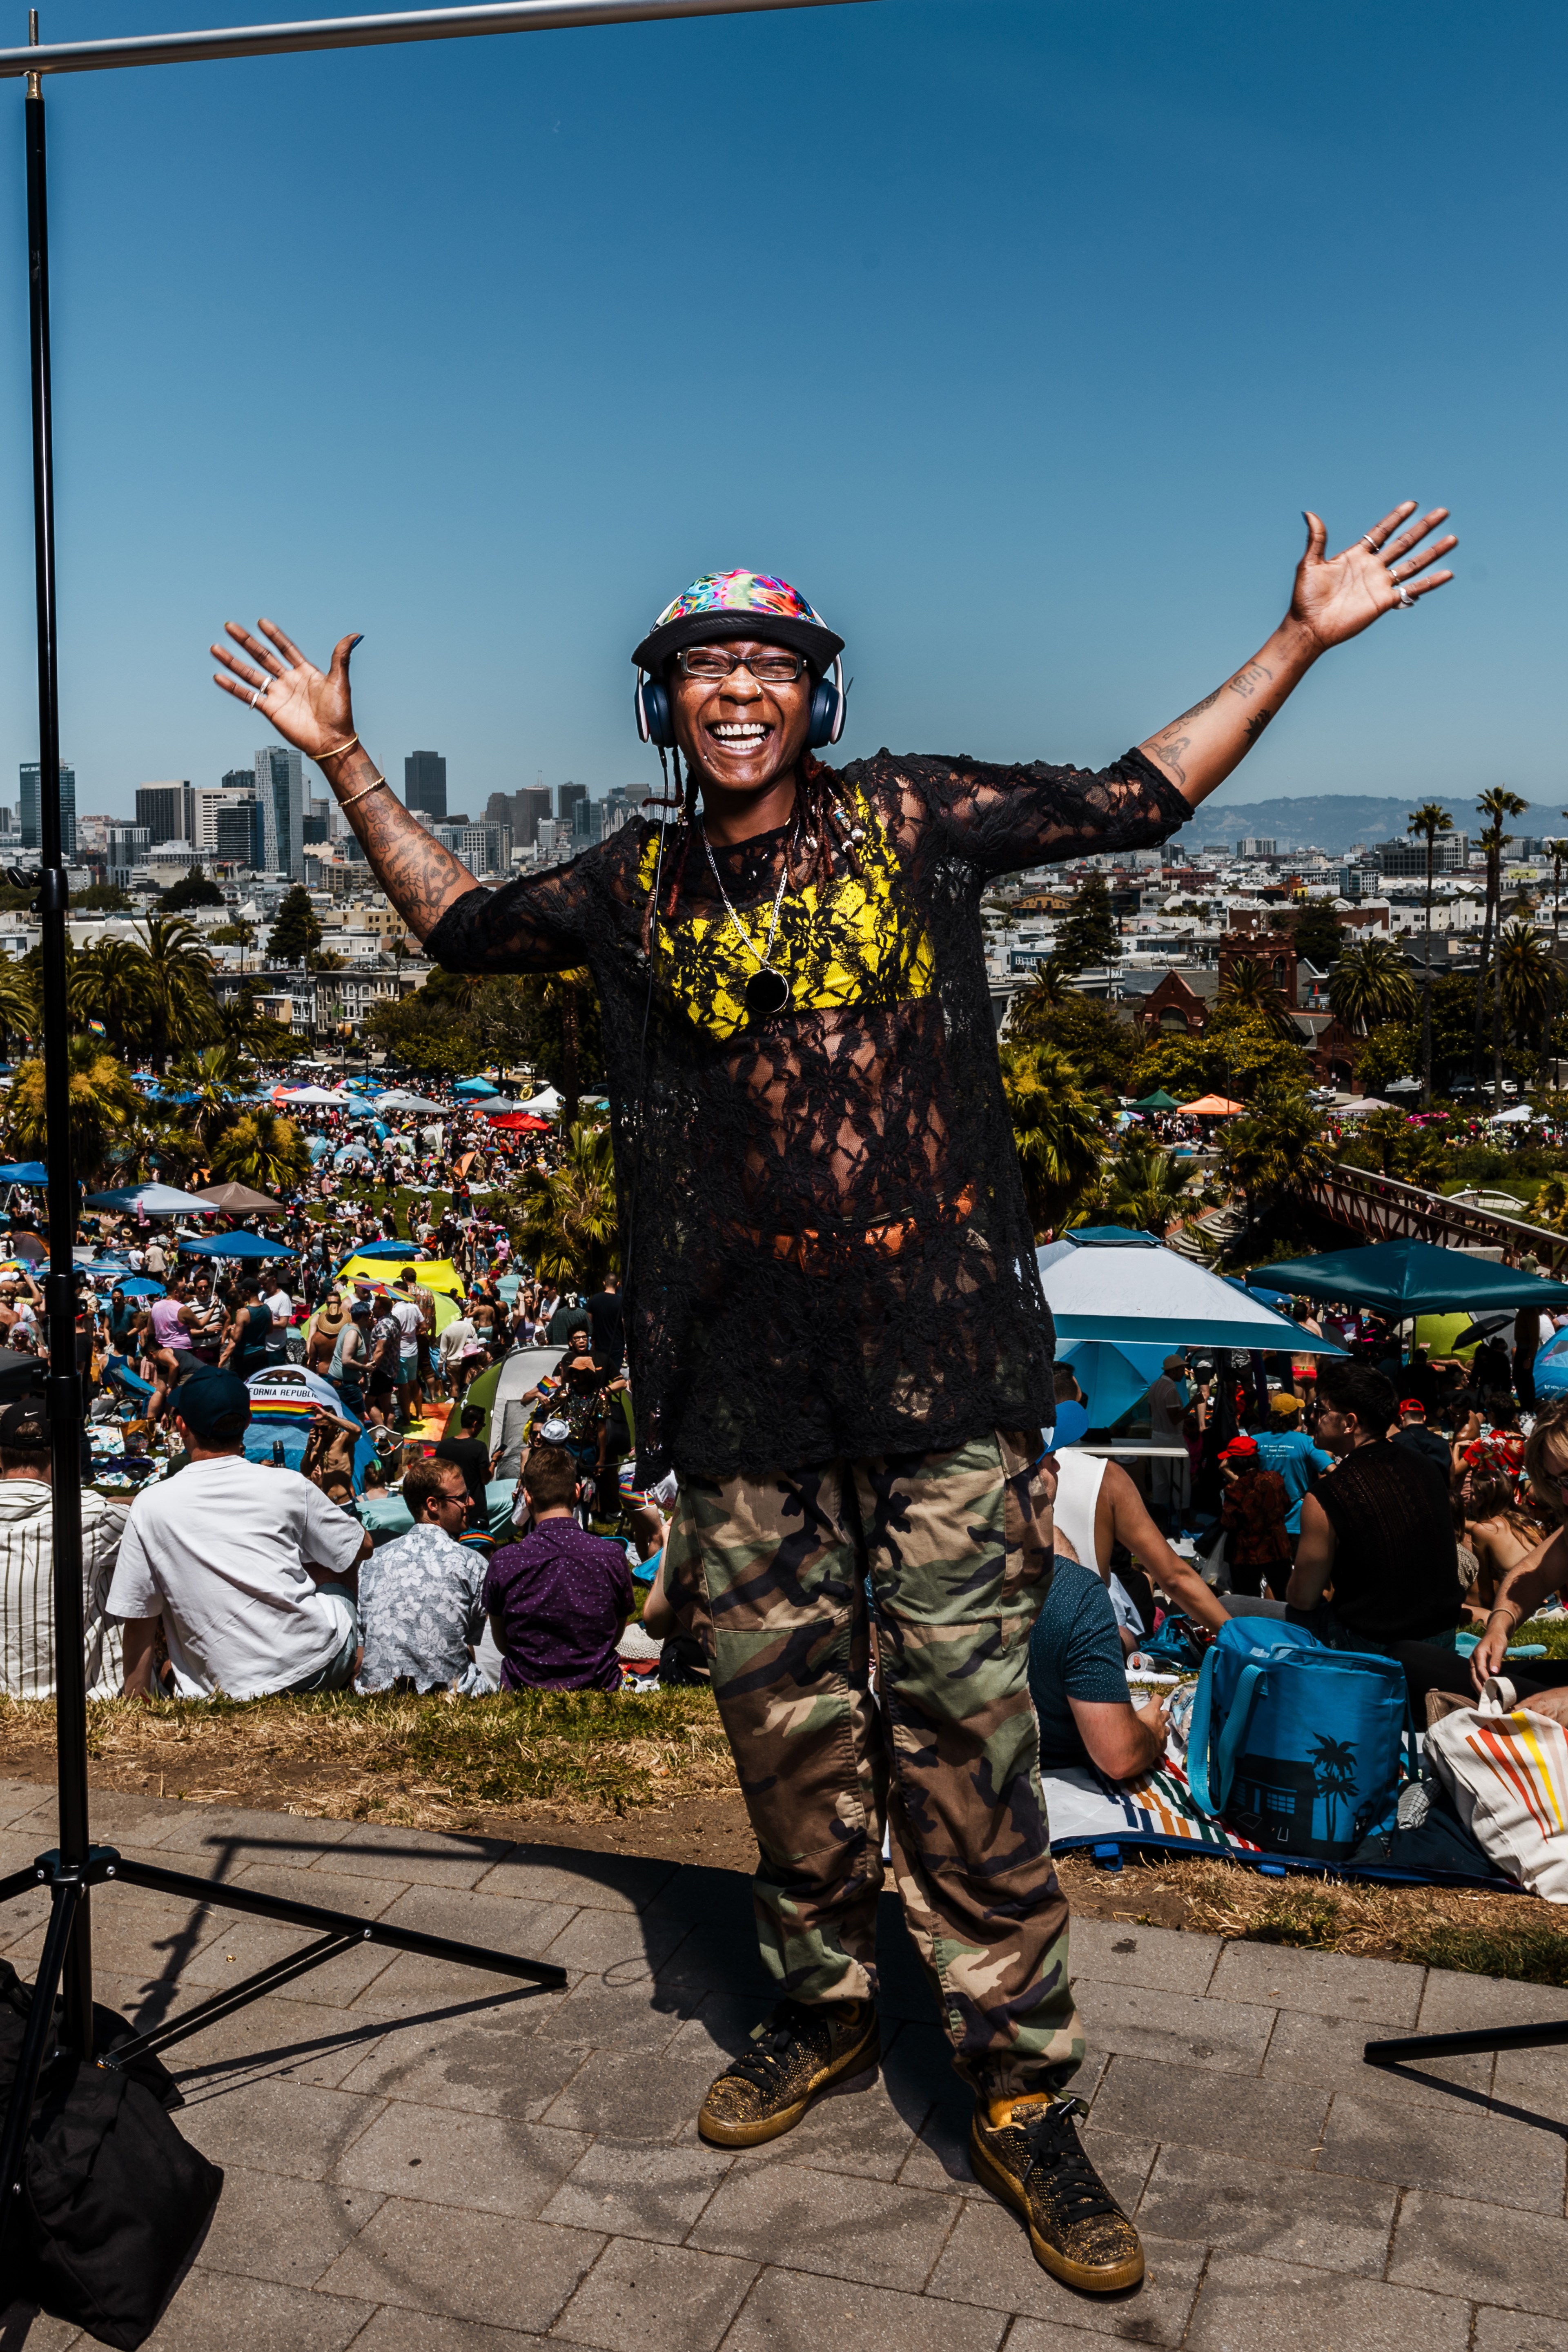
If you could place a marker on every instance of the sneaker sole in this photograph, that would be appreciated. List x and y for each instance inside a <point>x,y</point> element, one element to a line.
<point>864,2055</point>
<point>1106,2279</point>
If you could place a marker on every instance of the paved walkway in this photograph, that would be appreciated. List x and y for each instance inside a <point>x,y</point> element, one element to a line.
<point>417,2163</point>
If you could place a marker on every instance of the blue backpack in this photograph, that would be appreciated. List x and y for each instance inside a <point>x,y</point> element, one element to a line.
<point>1299,1745</point>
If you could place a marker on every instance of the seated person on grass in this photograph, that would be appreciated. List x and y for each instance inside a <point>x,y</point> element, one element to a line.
<point>419,1596</point>
<point>1078,1683</point>
<point>559,1599</point>
<point>249,1568</point>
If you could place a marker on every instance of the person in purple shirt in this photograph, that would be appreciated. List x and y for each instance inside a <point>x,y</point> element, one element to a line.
<point>558,1600</point>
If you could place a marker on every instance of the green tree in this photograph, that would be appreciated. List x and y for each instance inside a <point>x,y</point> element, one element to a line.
<point>1235,1054</point>
<point>1057,1129</point>
<point>215,1075</point>
<point>296,930</point>
<point>1149,1184</point>
<point>1275,1146</point>
<point>570,1227</point>
<point>1389,1144</point>
<point>19,1014</point>
<point>1088,936</point>
<point>193,888</point>
<point>180,1010</point>
<point>261,1148</point>
<point>1392,1050</point>
<point>1497,806</point>
<point>1524,982</point>
<point>1248,988</point>
<point>241,934</point>
<point>102,898</point>
<point>246,1031</point>
<point>1371,983</point>
<point>103,1104</point>
<point>111,983</point>
<point>1430,820</point>
<point>1101,1048</point>
<point>1318,934</point>
<point>425,1033</point>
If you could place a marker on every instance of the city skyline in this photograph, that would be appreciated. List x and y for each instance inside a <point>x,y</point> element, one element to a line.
<point>1030,446</point>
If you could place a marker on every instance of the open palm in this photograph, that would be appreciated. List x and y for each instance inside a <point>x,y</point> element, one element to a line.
<point>1336,597</point>
<point>309,708</point>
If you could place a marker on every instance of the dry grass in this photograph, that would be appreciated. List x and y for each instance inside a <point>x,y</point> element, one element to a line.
<point>427,1763</point>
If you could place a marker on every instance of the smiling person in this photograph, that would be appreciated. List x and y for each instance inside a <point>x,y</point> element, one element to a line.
<point>832,1319</point>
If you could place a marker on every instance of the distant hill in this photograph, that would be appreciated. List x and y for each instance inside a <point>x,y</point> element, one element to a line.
<point>1335,821</point>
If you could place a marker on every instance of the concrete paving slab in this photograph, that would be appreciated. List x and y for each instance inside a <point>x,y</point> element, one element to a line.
<point>1253,2305</point>
<point>1270,2123</point>
<point>788,2312</point>
<point>988,2261</point>
<point>420,1857</point>
<point>275,2124</point>
<point>600,1882</point>
<point>641,2298</point>
<point>635,2190</point>
<point>873,2231</point>
<point>269,2227</point>
<point>1458,2246</point>
<point>1462,2154</point>
<point>1327,2051</point>
<point>1111,1953</point>
<point>1384,1992</point>
<point>456,2264</point>
<point>1230,2036</point>
<point>214,2307</point>
<point>1199,2195</point>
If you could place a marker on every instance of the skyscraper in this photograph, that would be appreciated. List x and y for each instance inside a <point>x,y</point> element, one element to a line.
<point>587,824</point>
<point>166,810</point>
<point>238,832</point>
<point>280,789</point>
<point>531,805</point>
<point>32,830</point>
<point>424,782</point>
<point>566,799</point>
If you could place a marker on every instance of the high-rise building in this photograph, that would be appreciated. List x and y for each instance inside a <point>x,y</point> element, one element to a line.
<point>530,806</point>
<point>280,789</point>
<point>125,846</point>
<point>239,836</point>
<point>544,837</point>
<point>482,848</point>
<point>32,828</point>
<point>566,799</point>
<point>424,782</point>
<point>166,810</point>
<point>587,824</point>
<point>316,815</point>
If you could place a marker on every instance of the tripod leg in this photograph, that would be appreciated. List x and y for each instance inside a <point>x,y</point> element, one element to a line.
<point>66,1895</point>
<point>1407,2046</point>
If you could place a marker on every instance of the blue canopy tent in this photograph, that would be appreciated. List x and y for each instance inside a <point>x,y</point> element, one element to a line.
<point>255,1245</point>
<point>25,1171</point>
<point>153,1200</point>
<point>141,1286</point>
<point>1408,1279</point>
<point>409,1250</point>
<point>475,1087</point>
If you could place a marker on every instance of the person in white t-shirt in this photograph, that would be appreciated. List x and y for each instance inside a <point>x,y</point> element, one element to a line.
<point>250,1569</point>
<point>278,1305</point>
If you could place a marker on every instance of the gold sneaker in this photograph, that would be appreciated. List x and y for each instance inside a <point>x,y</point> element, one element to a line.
<point>796,2053</point>
<point>1026,2152</point>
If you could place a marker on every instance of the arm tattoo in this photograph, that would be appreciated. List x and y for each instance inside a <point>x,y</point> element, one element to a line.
<point>420,878</point>
<point>1247,681</point>
<point>1169,753</point>
<point>1206,704</point>
<point>1253,728</point>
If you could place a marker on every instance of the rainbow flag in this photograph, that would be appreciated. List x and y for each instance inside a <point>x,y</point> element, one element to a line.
<point>98,1028</point>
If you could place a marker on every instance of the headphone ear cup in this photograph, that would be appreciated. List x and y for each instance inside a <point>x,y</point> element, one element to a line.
<point>827,710</point>
<point>654,722</point>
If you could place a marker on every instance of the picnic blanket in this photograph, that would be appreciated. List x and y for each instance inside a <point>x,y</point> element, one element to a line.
<point>1116,1820</point>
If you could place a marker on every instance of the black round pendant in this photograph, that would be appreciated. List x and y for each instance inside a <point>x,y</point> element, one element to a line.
<point>766,991</point>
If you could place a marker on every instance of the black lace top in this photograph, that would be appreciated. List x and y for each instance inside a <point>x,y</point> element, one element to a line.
<point>830,1253</point>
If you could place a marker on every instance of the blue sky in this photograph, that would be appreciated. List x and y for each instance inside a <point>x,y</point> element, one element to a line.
<point>1016,334</point>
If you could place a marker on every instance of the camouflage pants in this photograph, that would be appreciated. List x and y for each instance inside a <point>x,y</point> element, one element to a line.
<point>771,1576</point>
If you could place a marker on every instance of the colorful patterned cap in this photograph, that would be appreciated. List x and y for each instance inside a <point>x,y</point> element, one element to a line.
<point>737,604</point>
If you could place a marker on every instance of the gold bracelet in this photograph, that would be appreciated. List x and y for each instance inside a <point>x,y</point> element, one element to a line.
<point>362,793</point>
<point>337,750</point>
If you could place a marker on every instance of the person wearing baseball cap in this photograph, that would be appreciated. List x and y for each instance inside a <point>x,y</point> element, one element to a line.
<point>1286,1448</point>
<point>1414,1433</point>
<point>1258,1549</point>
<point>836,1327</point>
<point>249,1569</point>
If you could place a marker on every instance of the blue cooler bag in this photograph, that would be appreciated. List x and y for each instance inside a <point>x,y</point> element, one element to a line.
<point>1297,1746</point>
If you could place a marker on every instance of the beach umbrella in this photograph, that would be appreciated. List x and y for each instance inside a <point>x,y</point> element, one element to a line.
<point>236,1199</point>
<point>1112,1379</point>
<point>141,1286</point>
<point>292,1096</point>
<point>152,1201</point>
<point>1120,1295</point>
<point>254,1246</point>
<point>1408,1277</point>
<point>1517,1117</point>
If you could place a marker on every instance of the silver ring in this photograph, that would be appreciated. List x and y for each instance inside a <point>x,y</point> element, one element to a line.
<point>1368,541</point>
<point>1408,601</point>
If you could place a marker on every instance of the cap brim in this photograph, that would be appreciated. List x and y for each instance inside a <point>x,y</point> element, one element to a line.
<point>821,646</point>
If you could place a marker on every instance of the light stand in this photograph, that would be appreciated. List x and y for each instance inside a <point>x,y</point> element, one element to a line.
<point>73,1867</point>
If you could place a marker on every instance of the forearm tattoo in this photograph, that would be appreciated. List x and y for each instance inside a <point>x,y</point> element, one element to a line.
<point>1173,743</point>
<point>420,878</point>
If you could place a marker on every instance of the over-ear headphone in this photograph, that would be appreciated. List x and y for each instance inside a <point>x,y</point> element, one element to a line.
<point>829,707</point>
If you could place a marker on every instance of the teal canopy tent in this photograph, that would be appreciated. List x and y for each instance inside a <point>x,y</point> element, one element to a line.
<point>1404,1278</point>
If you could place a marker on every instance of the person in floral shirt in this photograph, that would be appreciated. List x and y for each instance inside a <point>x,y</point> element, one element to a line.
<point>420,1610</point>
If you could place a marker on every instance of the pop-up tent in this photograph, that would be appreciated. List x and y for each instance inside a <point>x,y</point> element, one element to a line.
<point>1403,1278</point>
<point>1142,1295</point>
<point>1211,1107</point>
<point>1158,1100</point>
<point>235,1200</point>
<point>251,1245</point>
<point>152,1201</point>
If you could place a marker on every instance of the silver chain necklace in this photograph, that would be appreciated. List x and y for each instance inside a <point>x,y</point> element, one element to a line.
<point>767,989</point>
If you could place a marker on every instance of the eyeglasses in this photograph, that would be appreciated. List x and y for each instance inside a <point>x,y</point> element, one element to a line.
<point>712,665</point>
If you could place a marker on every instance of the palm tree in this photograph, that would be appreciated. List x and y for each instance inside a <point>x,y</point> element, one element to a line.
<point>180,1008</point>
<point>261,1148</point>
<point>215,1074</point>
<point>1057,1129</point>
<point>18,1001</point>
<point>1427,821</point>
<point>1277,1144</point>
<point>103,1105</point>
<point>1371,983</point>
<point>110,982</point>
<point>1496,806</point>
<point>1149,1184</point>
<point>1247,986</point>
<point>1524,977</point>
<point>571,1223</point>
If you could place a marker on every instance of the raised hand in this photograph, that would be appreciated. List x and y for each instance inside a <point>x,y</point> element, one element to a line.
<point>310,709</point>
<point>1336,597</point>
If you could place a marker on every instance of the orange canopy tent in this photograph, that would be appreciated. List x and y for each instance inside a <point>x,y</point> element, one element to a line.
<point>1211,1107</point>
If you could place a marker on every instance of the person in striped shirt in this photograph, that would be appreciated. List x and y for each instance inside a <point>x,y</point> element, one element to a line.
<point>27,1560</point>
